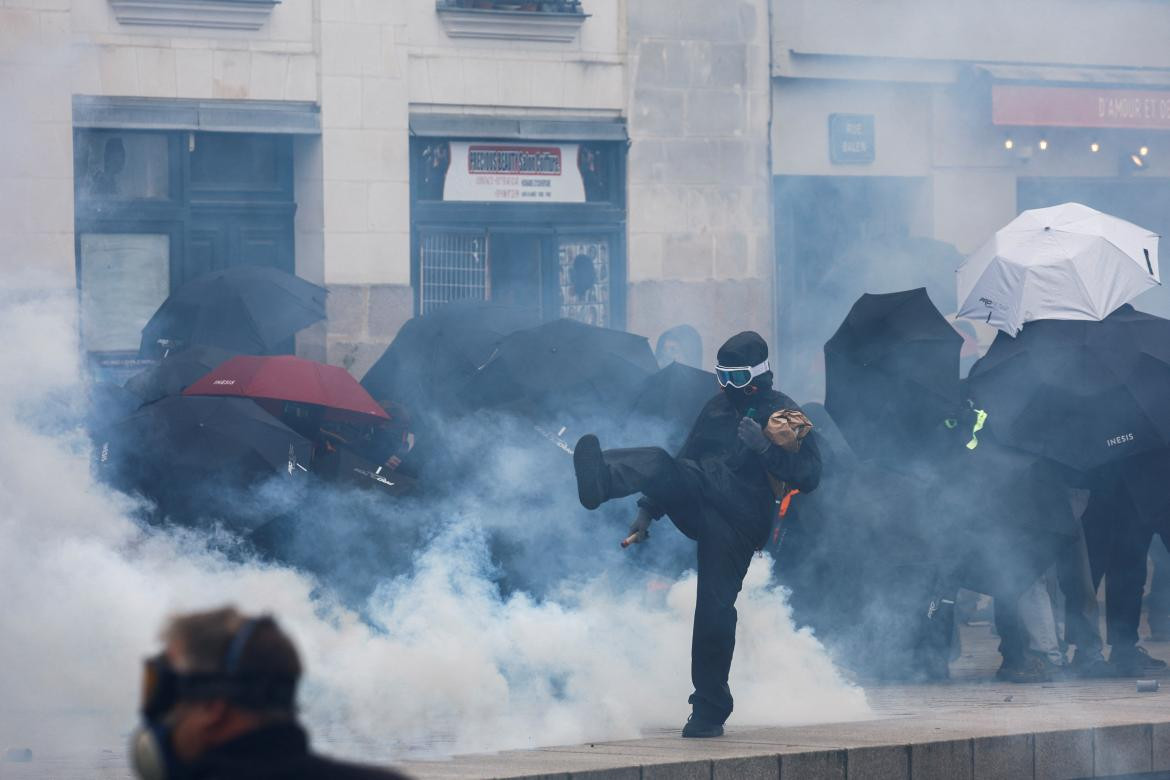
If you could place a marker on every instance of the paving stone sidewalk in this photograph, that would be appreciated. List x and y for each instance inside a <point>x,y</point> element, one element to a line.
<point>968,728</point>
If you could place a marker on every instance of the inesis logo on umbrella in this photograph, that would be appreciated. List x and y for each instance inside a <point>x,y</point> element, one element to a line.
<point>1122,439</point>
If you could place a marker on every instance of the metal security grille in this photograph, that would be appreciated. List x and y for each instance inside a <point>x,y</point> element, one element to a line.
<point>452,267</point>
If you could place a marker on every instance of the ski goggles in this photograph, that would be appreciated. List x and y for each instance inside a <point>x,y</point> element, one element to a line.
<point>739,376</point>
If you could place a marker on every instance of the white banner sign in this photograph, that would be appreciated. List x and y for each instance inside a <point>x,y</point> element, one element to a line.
<point>521,173</point>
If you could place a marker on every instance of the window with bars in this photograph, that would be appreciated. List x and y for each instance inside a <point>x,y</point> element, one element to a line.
<point>453,266</point>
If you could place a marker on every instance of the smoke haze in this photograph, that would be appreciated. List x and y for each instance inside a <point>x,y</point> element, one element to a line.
<point>427,657</point>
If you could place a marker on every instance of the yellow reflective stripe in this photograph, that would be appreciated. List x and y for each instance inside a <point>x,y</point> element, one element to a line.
<point>980,418</point>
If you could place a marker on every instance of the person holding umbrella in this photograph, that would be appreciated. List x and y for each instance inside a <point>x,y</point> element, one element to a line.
<point>721,491</point>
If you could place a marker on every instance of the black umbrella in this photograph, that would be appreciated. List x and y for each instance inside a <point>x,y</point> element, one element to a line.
<point>433,355</point>
<point>109,403</point>
<point>1083,394</point>
<point>185,451</point>
<point>564,367</point>
<point>248,309</point>
<point>674,395</point>
<point>176,371</point>
<point>892,373</point>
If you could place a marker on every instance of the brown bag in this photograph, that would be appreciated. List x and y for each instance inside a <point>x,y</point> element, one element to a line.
<point>787,428</point>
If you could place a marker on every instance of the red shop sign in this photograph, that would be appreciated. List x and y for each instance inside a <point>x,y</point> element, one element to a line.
<point>1080,107</point>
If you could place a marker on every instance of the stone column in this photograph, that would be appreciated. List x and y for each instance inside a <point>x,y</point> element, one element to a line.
<point>365,178</point>
<point>700,239</point>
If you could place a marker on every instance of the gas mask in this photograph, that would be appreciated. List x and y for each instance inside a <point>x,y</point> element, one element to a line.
<point>152,749</point>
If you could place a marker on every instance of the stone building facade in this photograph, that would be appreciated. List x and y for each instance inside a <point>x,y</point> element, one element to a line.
<point>187,136</point>
<point>964,115</point>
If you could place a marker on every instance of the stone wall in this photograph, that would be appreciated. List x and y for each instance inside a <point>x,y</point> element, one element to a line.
<point>276,62</point>
<point>581,77</point>
<point>700,246</point>
<point>365,176</point>
<point>1123,33</point>
<point>36,144</point>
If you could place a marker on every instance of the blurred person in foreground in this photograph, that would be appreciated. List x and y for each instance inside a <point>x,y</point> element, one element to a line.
<point>219,704</point>
<point>749,449</point>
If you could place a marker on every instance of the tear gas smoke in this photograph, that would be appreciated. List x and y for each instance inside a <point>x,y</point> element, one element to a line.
<point>431,657</point>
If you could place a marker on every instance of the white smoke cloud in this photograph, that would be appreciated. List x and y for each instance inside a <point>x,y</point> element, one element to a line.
<point>436,662</point>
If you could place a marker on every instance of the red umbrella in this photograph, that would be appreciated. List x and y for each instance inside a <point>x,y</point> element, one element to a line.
<point>288,378</point>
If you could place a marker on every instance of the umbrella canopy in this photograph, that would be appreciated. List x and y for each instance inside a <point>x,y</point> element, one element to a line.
<point>181,449</point>
<point>564,366</point>
<point>435,354</point>
<point>1082,394</point>
<point>891,373</point>
<point>1067,262</point>
<point>176,371</point>
<point>674,395</point>
<point>248,309</point>
<point>109,403</point>
<point>288,378</point>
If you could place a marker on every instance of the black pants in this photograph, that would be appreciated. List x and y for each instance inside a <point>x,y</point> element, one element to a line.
<point>1082,619</point>
<point>725,551</point>
<point>1118,544</point>
<point>1158,602</point>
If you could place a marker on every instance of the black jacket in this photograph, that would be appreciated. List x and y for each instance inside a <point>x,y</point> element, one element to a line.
<point>735,480</point>
<point>279,752</point>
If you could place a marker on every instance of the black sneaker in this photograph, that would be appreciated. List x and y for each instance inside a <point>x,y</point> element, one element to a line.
<point>696,728</point>
<point>592,475</point>
<point>1032,669</point>
<point>1097,668</point>
<point>1134,661</point>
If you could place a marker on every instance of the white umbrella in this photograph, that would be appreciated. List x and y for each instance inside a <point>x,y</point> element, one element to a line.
<point>1066,262</point>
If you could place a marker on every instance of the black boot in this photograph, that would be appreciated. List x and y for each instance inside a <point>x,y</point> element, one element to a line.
<point>592,473</point>
<point>1134,661</point>
<point>697,728</point>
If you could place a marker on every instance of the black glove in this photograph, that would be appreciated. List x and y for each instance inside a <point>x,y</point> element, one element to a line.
<point>639,529</point>
<point>752,436</point>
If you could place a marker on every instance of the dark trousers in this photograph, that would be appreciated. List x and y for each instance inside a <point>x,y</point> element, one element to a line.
<point>725,551</point>
<point>1082,619</point>
<point>1118,544</point>
<point>1158,602</point>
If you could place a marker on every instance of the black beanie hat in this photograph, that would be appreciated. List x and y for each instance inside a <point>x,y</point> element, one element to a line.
<point>743,349</point>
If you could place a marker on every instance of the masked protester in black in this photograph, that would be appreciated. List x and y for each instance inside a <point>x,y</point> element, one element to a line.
<point>717,492</point>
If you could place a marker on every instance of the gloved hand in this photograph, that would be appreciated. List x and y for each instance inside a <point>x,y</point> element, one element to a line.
<point>752,436</point>
<point>639,529</point>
